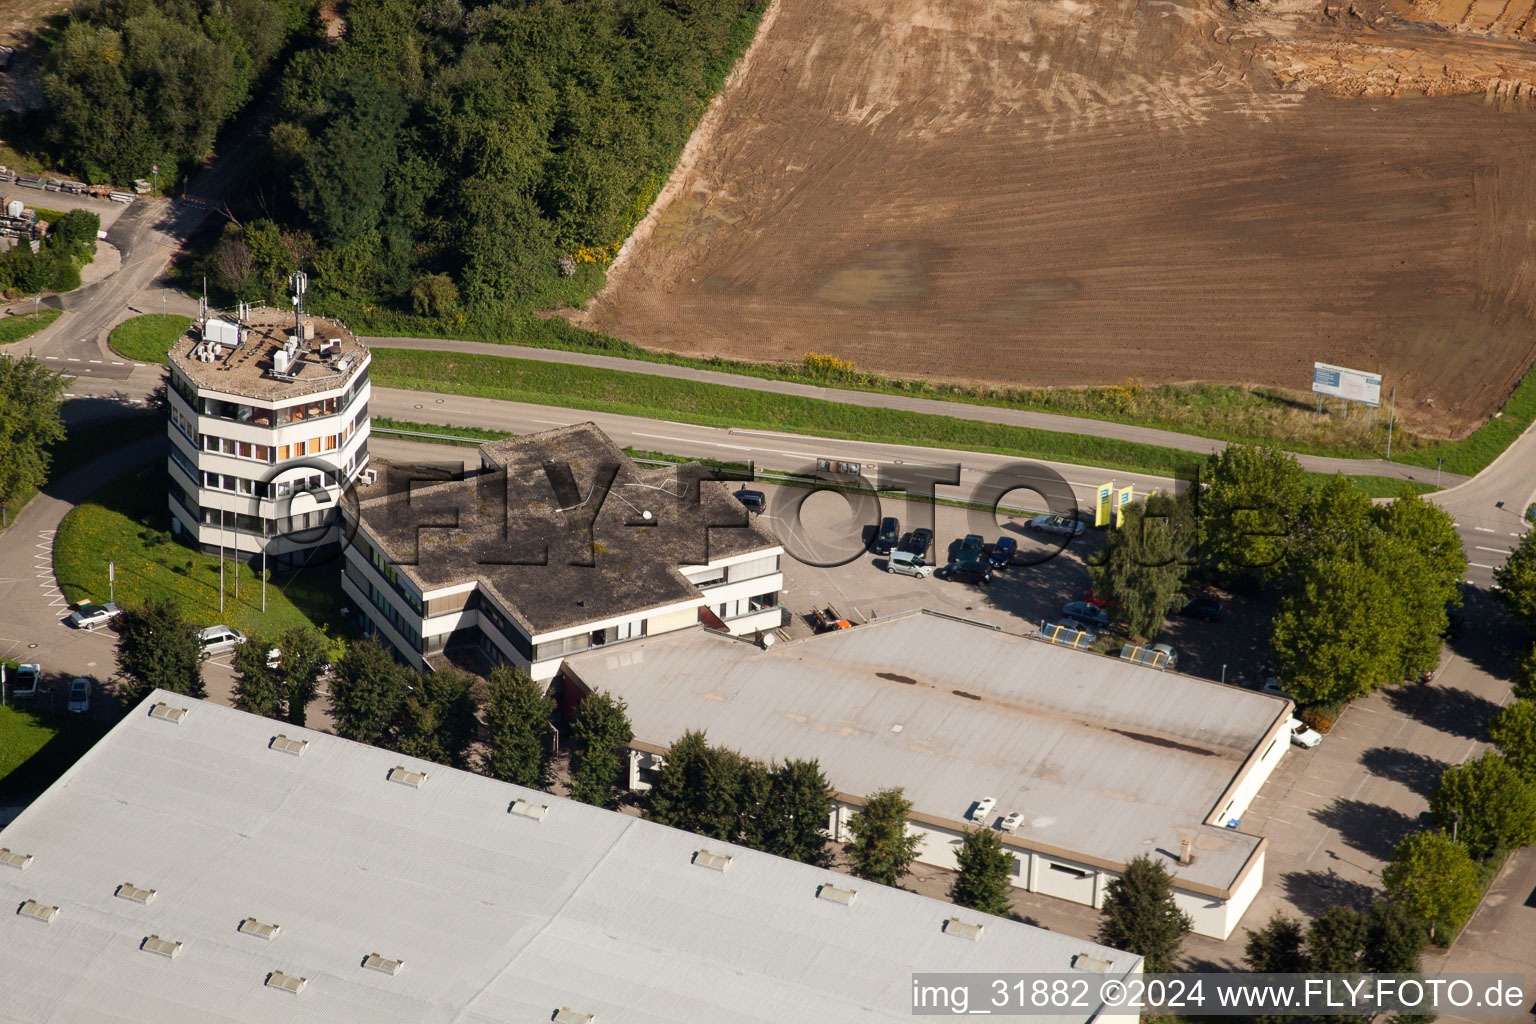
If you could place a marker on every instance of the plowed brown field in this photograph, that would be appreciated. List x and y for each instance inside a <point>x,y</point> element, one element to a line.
<point>1064,193</point>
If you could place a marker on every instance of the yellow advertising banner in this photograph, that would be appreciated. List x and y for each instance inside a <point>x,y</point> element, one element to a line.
<point>1106,493</point>
<point>1122,500</point>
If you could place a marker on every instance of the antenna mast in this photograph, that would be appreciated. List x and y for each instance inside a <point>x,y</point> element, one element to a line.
<point>300,282</point>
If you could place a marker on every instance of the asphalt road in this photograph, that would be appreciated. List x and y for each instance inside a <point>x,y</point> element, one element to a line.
<point>906,403</point>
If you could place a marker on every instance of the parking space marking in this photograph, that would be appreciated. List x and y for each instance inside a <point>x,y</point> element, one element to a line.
<point>42,565</point>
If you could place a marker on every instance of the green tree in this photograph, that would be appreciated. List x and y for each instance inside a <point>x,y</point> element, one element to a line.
<point>1251,500</point>
<point>434,295</point>
<point>883,848</point>
<point>1435,879</point>
<point>1395,938</point>
<point>1514,732</point>
<point>367,693</point>
<point>259,689</point>
<point>1525,676</point>
<point>1336,941</point>
<point>437,718</point>
<point>74,235</point>
<point>1430,531</point>
<point>1487,804</point>
<point>30,398</point>
<point>712,791</point>
<point>1334,521</point>
<point>600,729</point>
<point>797,813</point>
<point>1142,568</point>
<point>1339,632</point>
<point>517,715</point>
<point>158,649</point>
<point>984,877</point>
<point>1140,914</point>
<point>1276,948</point>
<point>1515,580</point>
<point>303,655</point>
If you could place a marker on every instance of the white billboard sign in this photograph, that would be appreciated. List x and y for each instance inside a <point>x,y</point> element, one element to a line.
<point>1341,382</point>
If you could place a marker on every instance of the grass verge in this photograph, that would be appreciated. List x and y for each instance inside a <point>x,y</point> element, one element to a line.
<point>16,328</point>
<point>147,338</point>
<point>522,380</point>
<point>127,522</point>
<point>36,748</point>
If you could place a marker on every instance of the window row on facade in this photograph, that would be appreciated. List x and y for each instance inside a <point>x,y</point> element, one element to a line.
<point>275,454</point>
<point>239,412</point>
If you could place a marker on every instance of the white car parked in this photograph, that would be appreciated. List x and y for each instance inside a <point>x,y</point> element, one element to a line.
<point>1303,736</point>
<point>905,563</point>
<point>219,640</point>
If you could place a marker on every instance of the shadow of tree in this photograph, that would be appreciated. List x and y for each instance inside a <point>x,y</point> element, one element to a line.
<point>1370,828</point>
<point>1418,772</point>
<point>1452,710</point>
<point>1313,892</point>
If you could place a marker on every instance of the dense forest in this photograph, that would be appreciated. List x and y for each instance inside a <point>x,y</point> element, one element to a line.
<point>132,84</point>
<point>439,164</point>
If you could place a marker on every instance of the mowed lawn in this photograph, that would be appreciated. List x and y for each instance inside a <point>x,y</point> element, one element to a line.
<point>147,338</point>
<point>127,522</point>
<point>15,328</point>
<point>35,749</point>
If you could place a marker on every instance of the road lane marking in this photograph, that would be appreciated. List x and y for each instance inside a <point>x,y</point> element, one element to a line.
<point>96,360</point>
<point>1497,551</point>
<point>1479,565</point>
<point>71,359</point>
<point>1485,529</point>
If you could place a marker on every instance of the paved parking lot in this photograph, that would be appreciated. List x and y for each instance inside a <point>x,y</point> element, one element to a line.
<point>826,529</point>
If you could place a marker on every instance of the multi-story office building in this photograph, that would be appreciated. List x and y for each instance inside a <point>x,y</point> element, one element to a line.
<point>559,544</point>
<point>268,427</point>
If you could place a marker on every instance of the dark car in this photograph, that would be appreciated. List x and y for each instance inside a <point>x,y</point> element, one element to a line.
<point>1453,620</point>
<point>1002,552</point>
<point>917,542</point>
<point>755,501</point>
<point>1207,608</point>
<point>966,572</point>
<point>888,536</point>
<point>971,548</point>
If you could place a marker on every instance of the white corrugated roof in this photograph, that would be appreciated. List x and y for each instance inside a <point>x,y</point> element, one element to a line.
<point>1104,758</point>
<point>497,917</point>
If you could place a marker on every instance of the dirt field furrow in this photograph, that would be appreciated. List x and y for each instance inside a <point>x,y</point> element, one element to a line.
<point>1053,193</point>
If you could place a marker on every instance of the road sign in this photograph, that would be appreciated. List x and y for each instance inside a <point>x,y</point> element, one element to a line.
<point>1342,382</point>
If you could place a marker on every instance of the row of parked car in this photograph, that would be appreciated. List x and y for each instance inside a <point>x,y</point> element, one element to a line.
<point>214,640</point>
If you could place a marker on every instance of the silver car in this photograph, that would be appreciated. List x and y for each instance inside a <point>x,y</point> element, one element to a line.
<point>79,697</point>
<point>89,616</point>
<point>905,563</point>
<point>219,639</point>
<point>1065,526</point>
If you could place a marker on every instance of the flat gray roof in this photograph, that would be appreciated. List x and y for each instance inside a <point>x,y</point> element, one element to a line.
<point>568,531</point>
<point>1104,758</point>
<point>248,370</point>
<point>497,917</point>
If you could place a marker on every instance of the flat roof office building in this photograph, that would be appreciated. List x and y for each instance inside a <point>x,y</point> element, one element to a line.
<point>560,544</point>
<point>201,865</point>
<point>1102,760</point>
<point>268,429</point>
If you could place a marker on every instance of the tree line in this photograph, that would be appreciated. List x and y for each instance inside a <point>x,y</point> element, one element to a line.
<point>132,84</point>
<point>462,165</point>
<point>1365,590</point>
<point>31,396</point>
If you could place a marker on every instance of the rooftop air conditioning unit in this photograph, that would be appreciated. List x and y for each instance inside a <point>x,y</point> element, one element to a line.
<point>280,361</point>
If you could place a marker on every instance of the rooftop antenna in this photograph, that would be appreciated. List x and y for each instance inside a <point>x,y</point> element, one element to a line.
<point>202,304</point>
<point>300,282</point>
